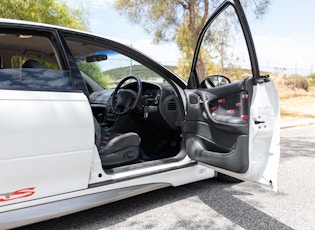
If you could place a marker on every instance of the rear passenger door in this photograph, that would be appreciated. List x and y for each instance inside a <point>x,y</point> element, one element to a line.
<point>232,127</point>
<point>47,134</point>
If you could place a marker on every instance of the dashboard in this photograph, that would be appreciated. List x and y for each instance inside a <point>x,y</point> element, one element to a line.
<point>151,96</point>
<point>158,105</point>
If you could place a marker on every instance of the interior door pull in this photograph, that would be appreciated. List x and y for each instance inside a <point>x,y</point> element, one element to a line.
<point>259,122</point>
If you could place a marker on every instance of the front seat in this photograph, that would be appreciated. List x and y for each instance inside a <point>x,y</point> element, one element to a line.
<point>33,64</point>
<point>116,149</point>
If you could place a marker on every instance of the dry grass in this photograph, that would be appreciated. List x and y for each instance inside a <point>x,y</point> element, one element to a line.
<point>300,107</point>
<point>294,104</point>
<point>299,104</point>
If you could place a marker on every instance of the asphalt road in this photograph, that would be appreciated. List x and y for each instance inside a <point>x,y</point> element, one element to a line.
<point>214,204</point>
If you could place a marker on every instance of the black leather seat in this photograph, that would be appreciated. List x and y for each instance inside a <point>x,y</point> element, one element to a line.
<point>33,64</point>
<point>116,149</point>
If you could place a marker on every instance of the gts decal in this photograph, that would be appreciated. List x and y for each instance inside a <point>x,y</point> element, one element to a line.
<point>21,193</point>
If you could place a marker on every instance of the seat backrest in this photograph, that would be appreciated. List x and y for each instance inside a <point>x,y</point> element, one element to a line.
<point>33,64</point>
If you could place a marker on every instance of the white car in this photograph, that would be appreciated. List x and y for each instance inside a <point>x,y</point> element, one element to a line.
<point>68,144</point>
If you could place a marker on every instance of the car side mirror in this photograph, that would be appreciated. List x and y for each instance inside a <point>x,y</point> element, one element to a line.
<point>214,81</point>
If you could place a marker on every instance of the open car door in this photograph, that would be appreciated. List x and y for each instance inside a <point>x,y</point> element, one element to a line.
<point>232,127</point>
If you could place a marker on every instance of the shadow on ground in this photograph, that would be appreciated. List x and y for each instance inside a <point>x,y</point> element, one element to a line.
<point>216,194</point>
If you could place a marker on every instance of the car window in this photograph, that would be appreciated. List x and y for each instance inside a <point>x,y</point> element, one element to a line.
<point>223,50</point>
<point>29,61</point>
<point>106,66</point>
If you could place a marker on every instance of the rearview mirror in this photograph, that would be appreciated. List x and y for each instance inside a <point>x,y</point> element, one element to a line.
<point>96,57</point>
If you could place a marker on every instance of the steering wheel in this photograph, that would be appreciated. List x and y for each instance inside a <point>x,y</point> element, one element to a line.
<point>125,100</point>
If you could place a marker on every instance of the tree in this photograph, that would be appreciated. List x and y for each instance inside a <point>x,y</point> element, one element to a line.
<point>94,71</point>
<point>178,20</point>
<point>48,11</point>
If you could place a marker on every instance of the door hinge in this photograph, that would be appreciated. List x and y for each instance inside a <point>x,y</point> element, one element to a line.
<point>263,79</point>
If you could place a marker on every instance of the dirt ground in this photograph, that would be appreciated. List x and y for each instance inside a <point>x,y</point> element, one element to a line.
<point>294,103</point>
<point>297,104</point>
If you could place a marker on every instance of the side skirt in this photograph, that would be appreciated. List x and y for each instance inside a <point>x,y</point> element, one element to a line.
<point>34,214</point>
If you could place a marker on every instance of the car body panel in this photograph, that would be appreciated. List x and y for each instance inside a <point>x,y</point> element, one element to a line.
<point>51,133</point>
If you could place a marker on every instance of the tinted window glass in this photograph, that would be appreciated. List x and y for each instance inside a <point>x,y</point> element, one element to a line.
<point>29,61</point>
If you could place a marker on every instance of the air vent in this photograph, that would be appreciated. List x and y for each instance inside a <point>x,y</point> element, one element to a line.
<point>171,105</point>
<point>110,112</point>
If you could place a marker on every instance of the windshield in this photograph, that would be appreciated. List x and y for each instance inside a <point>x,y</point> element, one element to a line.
<point>108,67</point>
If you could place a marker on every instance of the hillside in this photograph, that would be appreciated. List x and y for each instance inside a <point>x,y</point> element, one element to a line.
<point>136,70</point>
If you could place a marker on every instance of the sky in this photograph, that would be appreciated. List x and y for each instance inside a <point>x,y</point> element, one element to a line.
<point>284,38</point>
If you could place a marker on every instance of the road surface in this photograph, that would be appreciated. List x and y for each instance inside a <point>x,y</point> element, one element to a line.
<point>214,204</point>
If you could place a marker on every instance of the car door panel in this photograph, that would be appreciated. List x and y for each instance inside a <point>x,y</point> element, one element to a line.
<point>231,128</point>
<point>219,135</point>
<point>248,149</point>
<point>235,160</point>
